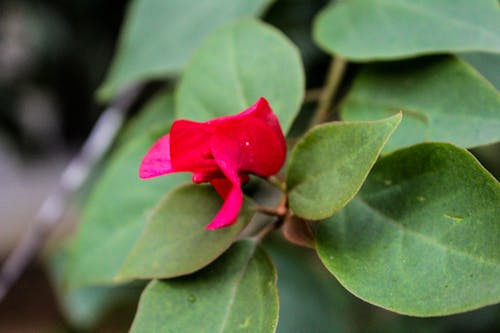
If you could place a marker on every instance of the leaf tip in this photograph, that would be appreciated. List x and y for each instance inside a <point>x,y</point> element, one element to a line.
<point>397,118</point>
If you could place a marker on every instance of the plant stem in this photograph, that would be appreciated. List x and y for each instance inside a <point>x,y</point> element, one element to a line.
<point>267,230</point>
<point>333,79</point>
<point>313,95</point>
<point>270,211</point>
<point>280,212</point>
<point>277,182</point>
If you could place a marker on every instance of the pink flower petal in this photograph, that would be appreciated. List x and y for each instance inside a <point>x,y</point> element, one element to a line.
<point>228,213</point>
<point>251,144</point>
<point>223,186</point>
<point>203,177</point>
<point>157,162</point>
<point>262,111</point>
<point>221,151</point>
<point>190,149</point>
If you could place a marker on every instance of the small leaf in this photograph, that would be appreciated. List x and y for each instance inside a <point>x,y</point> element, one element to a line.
<point>159,37</point>
<point>442,99</point>
<point>422,236</point>
<point>331,162</point>
<point>237,293</point>
<point>115,215</point>
<point>237,65</point>
<point>175,241</point>
<point>366,30</point>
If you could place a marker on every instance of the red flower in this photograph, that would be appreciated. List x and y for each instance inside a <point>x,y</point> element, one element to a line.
<point>222,151</point>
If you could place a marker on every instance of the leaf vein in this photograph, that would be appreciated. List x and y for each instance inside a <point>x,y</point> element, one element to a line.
<point>235,289</point>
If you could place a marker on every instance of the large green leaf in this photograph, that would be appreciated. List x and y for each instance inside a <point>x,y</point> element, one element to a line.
<point>175,241</point>
<point>159,36</point>
<point>331,162</point>
<point>364,30</point>
<point>442,99</point>
<point>115,214</point>
<point>422,236</point>
<point>312,300</point>
<point>237,65</point>
<point>237,293</point>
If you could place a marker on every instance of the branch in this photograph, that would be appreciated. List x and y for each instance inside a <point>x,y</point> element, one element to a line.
<point>313,95</point>
<point>72,178</point>
<point>335,75</point>
<point>277,182</point>
<point>280,212</point>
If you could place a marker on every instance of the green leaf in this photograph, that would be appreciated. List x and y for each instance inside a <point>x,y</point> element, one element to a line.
<point>487,64</point>
<point>159,37</point>
<point>442,99</point>
<point>366,30</point>
<point>175,241</point>
<point>156,116</point>
<point>237,293</point>
<point>115,214</point>
<point>85,307</point>
<point>328,166</point>
<point>237,65</point>
<point>422,236</point>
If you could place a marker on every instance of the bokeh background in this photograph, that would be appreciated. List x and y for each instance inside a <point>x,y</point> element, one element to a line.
<point>53,54</point>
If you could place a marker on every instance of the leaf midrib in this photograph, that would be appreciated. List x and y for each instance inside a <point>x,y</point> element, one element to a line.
<point>235,288</point>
